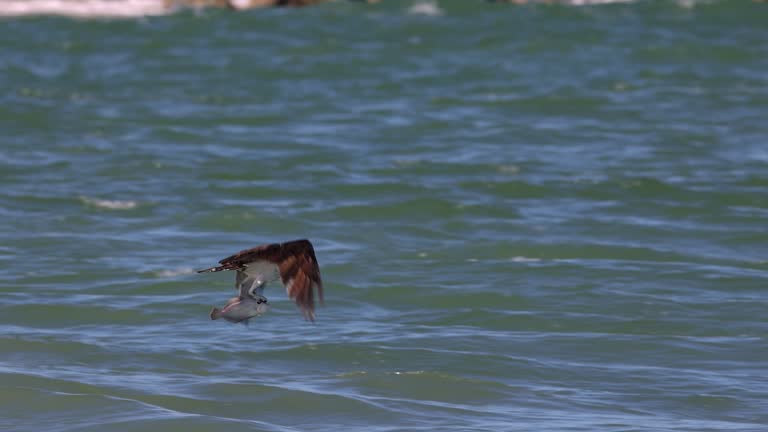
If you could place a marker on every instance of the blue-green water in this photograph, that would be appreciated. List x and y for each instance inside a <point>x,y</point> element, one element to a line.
<point>538,218</point>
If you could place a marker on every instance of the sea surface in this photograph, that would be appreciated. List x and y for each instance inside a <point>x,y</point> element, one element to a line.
<point>528,218</point>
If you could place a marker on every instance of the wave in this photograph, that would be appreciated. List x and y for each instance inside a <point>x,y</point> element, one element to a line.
<point>110,204</point>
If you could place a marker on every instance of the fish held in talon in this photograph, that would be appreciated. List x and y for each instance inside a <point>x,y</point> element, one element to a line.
<point>293,263</point>
<point>239,309</point>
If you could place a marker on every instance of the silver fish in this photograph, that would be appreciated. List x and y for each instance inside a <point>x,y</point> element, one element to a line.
<point>240,309</point>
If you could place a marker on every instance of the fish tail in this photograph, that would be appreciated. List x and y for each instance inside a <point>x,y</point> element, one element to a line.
<point>215,313</point>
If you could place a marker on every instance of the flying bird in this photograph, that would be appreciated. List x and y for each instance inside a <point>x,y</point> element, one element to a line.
<point>293,262</point>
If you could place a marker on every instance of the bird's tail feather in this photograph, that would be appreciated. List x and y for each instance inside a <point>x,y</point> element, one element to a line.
<point>215,313</point>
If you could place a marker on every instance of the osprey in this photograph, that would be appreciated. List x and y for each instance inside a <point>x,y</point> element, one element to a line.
<point>292,262</point>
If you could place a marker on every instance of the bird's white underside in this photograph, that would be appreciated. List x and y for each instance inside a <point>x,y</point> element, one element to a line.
<point>258,274</point>
<point>264,271</point>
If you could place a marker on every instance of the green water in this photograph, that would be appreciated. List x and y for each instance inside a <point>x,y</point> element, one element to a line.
<point>538,218</point>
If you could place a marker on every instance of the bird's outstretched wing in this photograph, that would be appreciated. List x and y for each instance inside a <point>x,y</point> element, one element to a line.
<point>294,262</point>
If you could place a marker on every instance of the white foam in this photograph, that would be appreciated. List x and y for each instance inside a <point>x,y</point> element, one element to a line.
<point>169,273</point>
<point>84,8</point>
<point>524,259</point>
<point>424,7</point>
<point>110,204</point>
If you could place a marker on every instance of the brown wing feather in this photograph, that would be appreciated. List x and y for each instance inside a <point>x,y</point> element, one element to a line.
<point>264,252</point>
<point>300,272</point>
<point>298,268</point>
<point>237,261</point>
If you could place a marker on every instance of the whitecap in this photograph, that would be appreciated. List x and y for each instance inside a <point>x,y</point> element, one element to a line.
<point>524,259</point>
<point>169,273</point>
<point>424,7</point>
<point>110,204</point>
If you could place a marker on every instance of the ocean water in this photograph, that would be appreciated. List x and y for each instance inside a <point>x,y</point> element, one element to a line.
<point>528,218</point>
